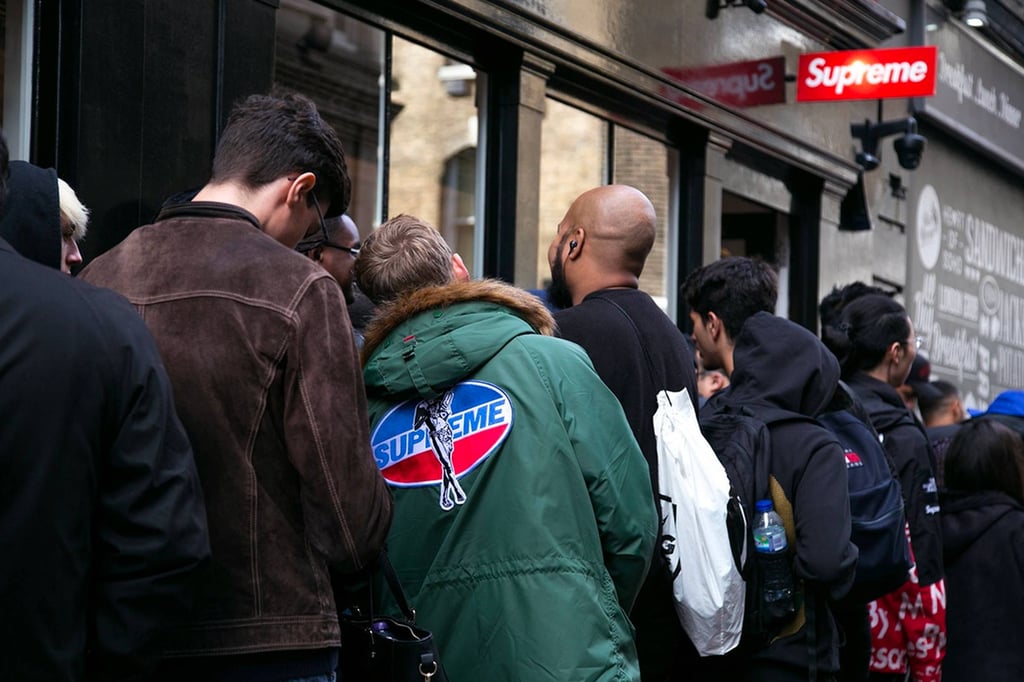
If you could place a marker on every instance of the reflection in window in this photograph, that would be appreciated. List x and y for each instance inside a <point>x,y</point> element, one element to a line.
<point>336,61</point>
<point>17,66</point>
<point>458,204</point>
<point>573,160</point>
<point>433,136</point>
<point>434,144</point>
<point>646,164</point>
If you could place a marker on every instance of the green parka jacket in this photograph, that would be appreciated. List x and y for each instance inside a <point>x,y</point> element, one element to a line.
<point>524,518</point>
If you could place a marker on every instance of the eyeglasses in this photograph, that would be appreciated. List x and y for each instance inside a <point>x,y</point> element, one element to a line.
<point>353,250</point>
<point>918,342</point>
<point>325,240</point>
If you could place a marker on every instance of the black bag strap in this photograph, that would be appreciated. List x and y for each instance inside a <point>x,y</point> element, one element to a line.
<point>395,586</point>
<point>811,612</point>
<point>640,339</point>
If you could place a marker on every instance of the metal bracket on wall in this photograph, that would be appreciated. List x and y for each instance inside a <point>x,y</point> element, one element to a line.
<point>713,6</point>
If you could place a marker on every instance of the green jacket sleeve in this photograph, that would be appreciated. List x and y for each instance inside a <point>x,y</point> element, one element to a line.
<point>615,472</point>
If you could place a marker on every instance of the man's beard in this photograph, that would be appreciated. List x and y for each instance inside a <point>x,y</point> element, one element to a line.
<point>558,290</point>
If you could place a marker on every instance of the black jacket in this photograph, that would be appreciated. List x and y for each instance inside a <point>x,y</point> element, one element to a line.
<point>910,450</point>
<point>940,438</point>
<point>620,346</point>
<point>983,550</point>
<point>781,365</point>
<point>102,522</point>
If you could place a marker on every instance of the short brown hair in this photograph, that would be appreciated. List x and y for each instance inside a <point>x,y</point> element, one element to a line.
<point>269,136</point>
<point>402,255</point>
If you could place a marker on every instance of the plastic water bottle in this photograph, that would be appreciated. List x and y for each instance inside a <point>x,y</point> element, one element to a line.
<point>770,543</point>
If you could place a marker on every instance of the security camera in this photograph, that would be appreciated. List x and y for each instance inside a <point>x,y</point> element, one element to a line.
<point>867,161</point>
<point>909,146</point>
<point>909,149</point>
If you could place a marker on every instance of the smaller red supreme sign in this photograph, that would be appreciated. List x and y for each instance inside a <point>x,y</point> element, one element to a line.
<point>740,84</point>
<point>866,74</point>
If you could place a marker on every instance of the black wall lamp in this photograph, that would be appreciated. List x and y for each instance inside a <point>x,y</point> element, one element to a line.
<point>713,6</point>
<point>909,146</point>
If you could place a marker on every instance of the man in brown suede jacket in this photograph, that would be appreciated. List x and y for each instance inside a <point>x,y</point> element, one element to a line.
<point>258,345</point>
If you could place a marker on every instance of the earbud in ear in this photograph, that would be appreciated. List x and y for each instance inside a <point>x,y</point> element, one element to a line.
<point>572,245</point>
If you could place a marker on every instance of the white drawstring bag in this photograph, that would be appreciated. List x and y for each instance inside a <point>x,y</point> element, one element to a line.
<point>708,590</point>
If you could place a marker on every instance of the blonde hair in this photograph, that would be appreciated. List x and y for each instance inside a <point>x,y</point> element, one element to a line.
<point>72,209</point>
<point>400,256</point>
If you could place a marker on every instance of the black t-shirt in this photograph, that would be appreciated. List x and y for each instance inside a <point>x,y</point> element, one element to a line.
<point>614,346</point>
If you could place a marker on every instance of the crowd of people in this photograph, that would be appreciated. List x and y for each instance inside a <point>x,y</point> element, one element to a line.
<point>199,471</point>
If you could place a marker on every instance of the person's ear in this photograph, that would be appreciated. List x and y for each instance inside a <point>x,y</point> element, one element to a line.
<point>317,254</point>
<point>717,381</point>
<point>576,243</point>
<point>299,189</point>
<point>459,269</point>
<point>714,325</point>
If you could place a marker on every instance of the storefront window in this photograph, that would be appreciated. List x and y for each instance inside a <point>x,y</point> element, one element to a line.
<point>580,151</point>
<point>458,205</point>
<point>648,165</point>
<point>428,157</point>
<point>434,144</point>
<point>16,35</point>
<point>337,61</point>
<point>574,158</point>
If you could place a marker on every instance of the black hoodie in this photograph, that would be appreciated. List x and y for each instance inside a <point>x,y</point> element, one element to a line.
<point>910,450</point>
<point>983,550</point>
<point>780,364</point>
<point>30,220</point>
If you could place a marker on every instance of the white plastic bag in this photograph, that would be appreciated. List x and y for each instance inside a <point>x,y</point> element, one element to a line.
<point>708,589</point>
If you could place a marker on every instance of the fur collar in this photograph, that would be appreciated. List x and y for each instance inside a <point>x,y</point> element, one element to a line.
<point>522,303</point>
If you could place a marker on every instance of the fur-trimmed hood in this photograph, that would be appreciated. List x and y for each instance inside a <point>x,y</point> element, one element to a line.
<point>432,338</point>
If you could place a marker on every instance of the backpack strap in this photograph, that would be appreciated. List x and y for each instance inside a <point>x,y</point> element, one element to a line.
<point>806,615</point>
<point>640,339</point>
<point>855,407</point>
<point>812,633</point>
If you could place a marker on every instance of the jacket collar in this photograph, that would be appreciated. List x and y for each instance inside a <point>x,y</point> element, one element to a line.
<point>207,209</point>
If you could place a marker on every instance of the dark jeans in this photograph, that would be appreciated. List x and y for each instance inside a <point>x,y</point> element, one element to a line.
<point>317,665</point>
<point>767,672</point>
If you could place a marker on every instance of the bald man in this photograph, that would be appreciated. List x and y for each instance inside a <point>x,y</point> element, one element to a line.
<point>596,259</point>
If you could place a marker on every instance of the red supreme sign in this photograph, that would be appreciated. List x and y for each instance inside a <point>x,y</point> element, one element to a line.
<point>740,84</point>
<point>866,74</point>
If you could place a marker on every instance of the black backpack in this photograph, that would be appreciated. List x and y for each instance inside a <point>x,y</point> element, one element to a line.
<point>877,517</point>
<point>740,438</point>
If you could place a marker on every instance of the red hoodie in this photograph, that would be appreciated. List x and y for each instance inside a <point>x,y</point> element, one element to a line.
<point>908,626</point>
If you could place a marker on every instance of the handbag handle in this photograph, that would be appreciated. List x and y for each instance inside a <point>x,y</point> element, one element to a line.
<point>395,586</point>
